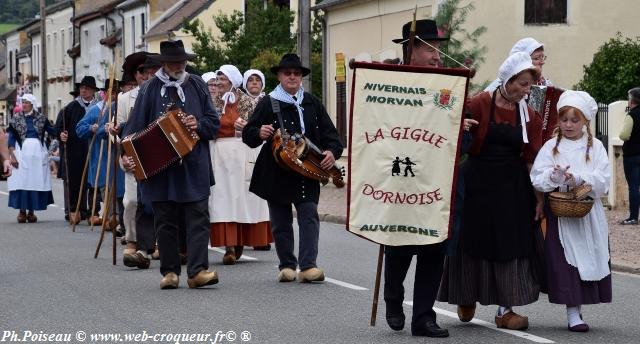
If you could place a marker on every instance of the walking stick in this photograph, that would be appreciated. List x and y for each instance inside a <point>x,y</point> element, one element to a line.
<point>95,183</point>
<point>109,193</point>
<point>66,166</point>
<point>376,290</point>
<point>86,164</point>
<point>106,209</point>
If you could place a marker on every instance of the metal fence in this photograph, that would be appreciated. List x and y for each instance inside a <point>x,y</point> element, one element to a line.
<point>602,126</point>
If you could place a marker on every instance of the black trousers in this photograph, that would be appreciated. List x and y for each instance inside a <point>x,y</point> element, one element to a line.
<point>168,217</point>
<point>430,259</point>
<point>74,191</point>
<point>145,230</point>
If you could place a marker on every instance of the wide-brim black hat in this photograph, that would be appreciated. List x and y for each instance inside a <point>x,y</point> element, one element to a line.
<point>116,84</point>
<point>173,51</point>
<point>291,61</point>
<point>150,62</point>
<point>88,81</point>
<point>75,92</point>
<point>133,61</point>
<point>426,29</point>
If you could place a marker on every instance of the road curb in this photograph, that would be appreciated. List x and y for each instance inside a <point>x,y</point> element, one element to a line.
<point>625,268</point>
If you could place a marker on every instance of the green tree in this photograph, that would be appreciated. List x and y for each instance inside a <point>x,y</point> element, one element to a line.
<point>463,46</point>
<point>614,70</point>
<point>243,37</point>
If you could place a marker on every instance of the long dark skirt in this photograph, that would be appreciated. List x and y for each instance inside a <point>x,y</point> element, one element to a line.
<point>563,280</point>
<point>467,280</point>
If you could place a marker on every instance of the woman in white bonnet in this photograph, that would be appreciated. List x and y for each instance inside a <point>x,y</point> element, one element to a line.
<point>30,184</point>
<point>535,49</point>
<point>210,79</point>
<point>576,249</point>
<point>253,83</point>
<point>238,217</point>
<point>495,261</point>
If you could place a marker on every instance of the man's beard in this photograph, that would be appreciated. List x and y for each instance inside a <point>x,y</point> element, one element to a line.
<point>176,75</point>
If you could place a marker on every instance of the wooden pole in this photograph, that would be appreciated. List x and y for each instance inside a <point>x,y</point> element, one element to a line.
<point>376,290</point>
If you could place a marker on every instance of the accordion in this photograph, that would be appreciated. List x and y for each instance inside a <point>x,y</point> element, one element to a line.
<point>161,144</point>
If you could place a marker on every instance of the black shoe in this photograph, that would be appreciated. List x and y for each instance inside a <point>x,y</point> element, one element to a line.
<point>120,233</point>
<point>629,222</point>
<point>429,329</point>
<point>395,320</point>
<point>262,248</point>
<point>123,241</point>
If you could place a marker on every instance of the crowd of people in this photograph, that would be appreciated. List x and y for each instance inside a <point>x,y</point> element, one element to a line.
<point>230,191</point>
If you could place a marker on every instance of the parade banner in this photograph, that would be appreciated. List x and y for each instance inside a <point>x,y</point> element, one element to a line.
<point>405,128</point>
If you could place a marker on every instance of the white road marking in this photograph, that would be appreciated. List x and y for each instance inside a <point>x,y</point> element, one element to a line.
<point>4,193</point>
<point>344,284</point>
<point>219,250</point>
<point>491,326</point>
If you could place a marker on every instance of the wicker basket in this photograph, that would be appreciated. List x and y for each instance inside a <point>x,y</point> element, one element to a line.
<point>565,204</point>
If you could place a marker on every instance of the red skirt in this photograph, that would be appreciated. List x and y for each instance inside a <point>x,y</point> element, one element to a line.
<point>241,234</point>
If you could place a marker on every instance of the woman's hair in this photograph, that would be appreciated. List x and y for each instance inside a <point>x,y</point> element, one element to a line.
<point>558,132</point>
<point>634,95</point>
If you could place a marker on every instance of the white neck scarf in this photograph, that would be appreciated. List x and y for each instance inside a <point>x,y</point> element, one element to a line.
<point>229,98</point>
<point>168,83</point>
<point>524,114</point>
<point>280,94</point>
<point>82,103</point>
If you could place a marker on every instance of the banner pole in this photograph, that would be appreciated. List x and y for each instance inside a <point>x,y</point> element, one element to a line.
<point>376,290</point>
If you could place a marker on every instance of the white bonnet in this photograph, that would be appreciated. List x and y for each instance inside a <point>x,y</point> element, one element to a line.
<point>580,100</point>
<point>513,65</point>
<point>527,45</point>
<point>249,73</point>
<point>232,73</point>
<point>30,98</point>
<point>208,76</point>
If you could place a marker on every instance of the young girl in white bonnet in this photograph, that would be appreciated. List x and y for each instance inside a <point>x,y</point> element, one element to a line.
<point>576,249</point>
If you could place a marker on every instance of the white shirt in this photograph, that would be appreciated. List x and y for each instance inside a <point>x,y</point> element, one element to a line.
<point>585,240</point>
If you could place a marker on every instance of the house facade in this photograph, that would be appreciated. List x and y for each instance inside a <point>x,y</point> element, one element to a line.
<point>345,23</point>
<point>59,76</point>
<point>98,39</point>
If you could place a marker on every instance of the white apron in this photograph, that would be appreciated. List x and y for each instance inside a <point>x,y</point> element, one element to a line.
<point>32,173</point>
<point>230,199</point>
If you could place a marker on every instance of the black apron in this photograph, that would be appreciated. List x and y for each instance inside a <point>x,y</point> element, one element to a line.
<point>499,202</point>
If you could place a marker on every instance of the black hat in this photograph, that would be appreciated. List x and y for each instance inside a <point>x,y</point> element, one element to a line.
<point>88,81</point>
<point>290,61</point>
<point>133,61</point>
<point>150,62</point>
<point>173,51</point>
<point>116,84</point>
<point>75,92</point>
<point>426,29</point>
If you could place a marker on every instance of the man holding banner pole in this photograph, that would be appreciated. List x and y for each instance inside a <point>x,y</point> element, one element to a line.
<point>423,52</point>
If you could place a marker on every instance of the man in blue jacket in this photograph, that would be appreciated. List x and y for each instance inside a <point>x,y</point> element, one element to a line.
<point>181,192</point>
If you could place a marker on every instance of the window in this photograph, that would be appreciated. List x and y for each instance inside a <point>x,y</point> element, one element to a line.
<point>143,29</point>
<point>545,11</point>
<point>133,33</point>
<point>62,43</point>
<point>11,67</point>
<point>282,3</point>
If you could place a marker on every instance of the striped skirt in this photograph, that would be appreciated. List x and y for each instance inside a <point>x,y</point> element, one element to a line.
<point>467,280</point>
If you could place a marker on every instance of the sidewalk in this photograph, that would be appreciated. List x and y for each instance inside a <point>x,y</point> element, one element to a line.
<point>624,241</point>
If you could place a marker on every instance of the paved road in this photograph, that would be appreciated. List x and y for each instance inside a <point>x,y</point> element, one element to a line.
<point>50,284</point>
